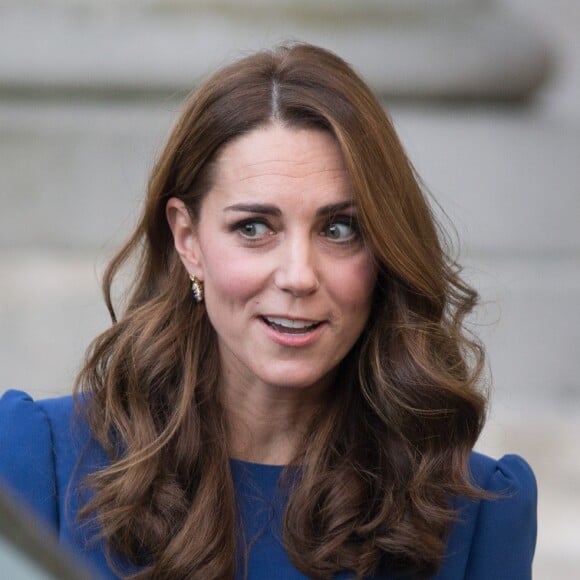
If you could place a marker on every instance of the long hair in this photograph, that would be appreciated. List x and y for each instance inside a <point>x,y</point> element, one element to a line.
<point>379,468</point>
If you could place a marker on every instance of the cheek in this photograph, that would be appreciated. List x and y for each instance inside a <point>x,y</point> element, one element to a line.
<point>230,278</point>
<point>354,283</point>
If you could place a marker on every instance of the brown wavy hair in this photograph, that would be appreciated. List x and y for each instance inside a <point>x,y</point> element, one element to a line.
<point>378,468</point>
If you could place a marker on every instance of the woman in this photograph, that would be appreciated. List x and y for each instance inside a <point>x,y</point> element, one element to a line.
<point>307,405</point>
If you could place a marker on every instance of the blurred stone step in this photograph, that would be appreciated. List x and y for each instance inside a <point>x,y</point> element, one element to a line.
<point>508,178</point>
<point>470,49</point>
<point>529,321</point>
<point>50,310</point>
<point>75,173</point>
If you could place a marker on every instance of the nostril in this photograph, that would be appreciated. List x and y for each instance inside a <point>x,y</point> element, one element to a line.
<point>297,276</point>
<point>297,283</point>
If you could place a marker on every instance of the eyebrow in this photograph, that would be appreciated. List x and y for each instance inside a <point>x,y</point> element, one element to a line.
<point>261,208</point>
<point>272,210</point>
<point>333,208</point>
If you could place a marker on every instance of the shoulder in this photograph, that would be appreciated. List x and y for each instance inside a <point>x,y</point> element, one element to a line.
<point>27,464</point>
<point>32,429</point>
<point>511,475</point>
<point>25,423</point>
<point>14,403</point>
<point>510,515</point>
<point>30,424</point>
<point>513,486</point>
<point>495,537</point>
<point>511,512</point>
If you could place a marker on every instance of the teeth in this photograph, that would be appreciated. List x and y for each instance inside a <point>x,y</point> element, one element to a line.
<point>288,323</point>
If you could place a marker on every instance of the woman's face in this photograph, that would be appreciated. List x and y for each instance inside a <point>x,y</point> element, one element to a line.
<point>288,281</point>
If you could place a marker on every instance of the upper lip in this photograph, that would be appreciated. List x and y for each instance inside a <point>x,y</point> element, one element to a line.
<point>288,318</point>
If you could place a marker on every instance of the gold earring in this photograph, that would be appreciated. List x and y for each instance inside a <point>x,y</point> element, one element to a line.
<point>196,288</point>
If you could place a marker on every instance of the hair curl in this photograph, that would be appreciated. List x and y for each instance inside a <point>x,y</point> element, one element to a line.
<point>379,467</point>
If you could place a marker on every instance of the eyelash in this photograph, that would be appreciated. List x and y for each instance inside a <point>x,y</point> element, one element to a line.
<point>239,226</point>
<point>335,220</point>
<point>349,221</point>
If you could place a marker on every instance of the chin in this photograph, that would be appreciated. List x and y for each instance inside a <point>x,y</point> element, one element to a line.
<point>297,380</point>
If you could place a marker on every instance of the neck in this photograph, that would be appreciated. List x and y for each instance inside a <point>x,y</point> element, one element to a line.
<point>267,423</point>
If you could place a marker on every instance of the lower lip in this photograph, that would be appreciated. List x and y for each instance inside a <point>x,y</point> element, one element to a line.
<point>293,340</point>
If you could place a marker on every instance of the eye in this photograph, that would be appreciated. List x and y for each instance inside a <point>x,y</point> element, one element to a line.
<point>253,229</point>
<point>341,230</point>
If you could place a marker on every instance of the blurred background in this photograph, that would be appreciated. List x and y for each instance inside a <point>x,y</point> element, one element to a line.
<point>485,95</point>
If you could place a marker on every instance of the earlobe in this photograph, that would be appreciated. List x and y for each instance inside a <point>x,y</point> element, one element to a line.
<point>184,236</point>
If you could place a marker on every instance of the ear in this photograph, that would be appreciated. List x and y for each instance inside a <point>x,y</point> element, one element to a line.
<point>185,236</point>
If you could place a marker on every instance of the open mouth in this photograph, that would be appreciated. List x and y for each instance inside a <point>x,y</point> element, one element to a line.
<point>290,326</point>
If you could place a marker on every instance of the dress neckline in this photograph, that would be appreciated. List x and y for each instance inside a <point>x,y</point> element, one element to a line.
<point>256,466</point>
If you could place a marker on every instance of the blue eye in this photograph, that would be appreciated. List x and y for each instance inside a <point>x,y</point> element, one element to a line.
<point>340,230</point>
<point>253,229</point>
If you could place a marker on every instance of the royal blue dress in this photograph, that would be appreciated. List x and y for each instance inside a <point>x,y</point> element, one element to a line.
<point>45,452</point>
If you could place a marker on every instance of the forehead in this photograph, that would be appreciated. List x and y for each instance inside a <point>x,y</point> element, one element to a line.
<point>276,153</point>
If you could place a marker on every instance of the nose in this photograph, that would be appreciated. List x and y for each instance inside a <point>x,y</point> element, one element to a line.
<point>297,269</point>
